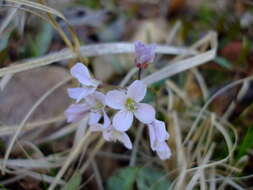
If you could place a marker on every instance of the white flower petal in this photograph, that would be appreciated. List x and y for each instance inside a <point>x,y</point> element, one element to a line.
<point>80,93</point>
<point>160,130</point>
<point>108,134</point>
<point>124,138</point>
<point>75,112</point>
<point>137,90</point>
<point>90,100</point>
<point>77,108</point>
<point>157,134</point>
<point>145,113</point>
<point>81,73</point>
<point>115,99</point>
<point>164,151</point>
<point>74,92</point>
<point>94,118</point>
<point>123,120</point>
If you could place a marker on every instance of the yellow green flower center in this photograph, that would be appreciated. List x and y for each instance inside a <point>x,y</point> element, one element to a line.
<point>130,104</point>
<point>98,106</point>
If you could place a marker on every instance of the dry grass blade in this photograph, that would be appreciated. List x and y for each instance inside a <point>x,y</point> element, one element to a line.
<point>181,94</point>
<point>201,83</point>
<point>11,14</point>
<point>221,91</point>
<point>230,146</point>
<point>81,130</point>
<point>99,144</point>
<point>58,134</point>
<point>136,145</point>
<point>181,158</point>
<point>45,163</point>
<point>38,6</point>
<point>97,175</point>
<point>4,81</point>
<point>87,51</point>
<point>8,130</point>
<point>196,176</point>
<point>43,177</point>
<point>73,154</point>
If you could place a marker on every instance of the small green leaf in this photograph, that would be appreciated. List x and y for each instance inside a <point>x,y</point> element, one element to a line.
<point>124,179</point>
<point>74,182</point>
<point>246,144</point>
<point>142,178</point>
<point>41,43</point>
<point>223,62</point>
<point>149,178</point>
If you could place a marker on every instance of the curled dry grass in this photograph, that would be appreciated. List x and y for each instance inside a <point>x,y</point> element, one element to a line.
<point>193,141</point>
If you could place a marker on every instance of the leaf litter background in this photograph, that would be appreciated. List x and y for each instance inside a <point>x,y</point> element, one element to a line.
<point>208,109</point>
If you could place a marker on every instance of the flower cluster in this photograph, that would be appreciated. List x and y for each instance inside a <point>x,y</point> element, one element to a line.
<point>127,105</point>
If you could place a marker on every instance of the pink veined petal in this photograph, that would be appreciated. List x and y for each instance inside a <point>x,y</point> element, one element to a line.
<point>124,138</point>
<point>144,53</point>
<point>74,117</point>
<point>137,90</point>
<point>100,97</point>
<point>80,93</point>
<point>90,100</point>
<point>160,129</point>
<point>77,108</point>
<point>74,92</point>
<point>115,99</point>
<point>108,134</point>
<point>152,136</point>
<point>157,134</point>
<point>94,118</point>
<point>164,151</point>
<point>148,54</point>
<point>122,120</point>
<point>94,98</point>
<point>75,112</point>
<point>138,46</point>
<point>86,91</point>
<point>145,113</point>
<point>81,73</point>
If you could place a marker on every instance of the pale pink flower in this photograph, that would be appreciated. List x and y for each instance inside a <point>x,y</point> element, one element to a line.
<point>144,54</point>
<point>111,134</point>
<point>94,105</point>
<point>158,136</point>
<point>89,85</point>
<point>128,104</point>
<point>96,102</point>
<point>75,112</point>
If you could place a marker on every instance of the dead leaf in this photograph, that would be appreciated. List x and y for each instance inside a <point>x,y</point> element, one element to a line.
<point>25,88</point>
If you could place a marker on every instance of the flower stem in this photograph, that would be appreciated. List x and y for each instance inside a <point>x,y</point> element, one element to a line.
<point>139,74</point>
